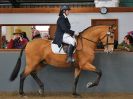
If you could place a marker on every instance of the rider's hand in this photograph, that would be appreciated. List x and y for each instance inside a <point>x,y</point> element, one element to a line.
<point>76,34</point>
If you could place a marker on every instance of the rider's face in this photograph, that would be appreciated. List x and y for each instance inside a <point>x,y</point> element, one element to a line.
<point>67,12</point>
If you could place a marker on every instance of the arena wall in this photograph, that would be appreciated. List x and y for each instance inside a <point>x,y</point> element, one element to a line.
<point>117,74</point>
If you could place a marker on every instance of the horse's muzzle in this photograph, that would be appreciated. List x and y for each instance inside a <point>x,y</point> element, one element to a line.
<point>108,50</point>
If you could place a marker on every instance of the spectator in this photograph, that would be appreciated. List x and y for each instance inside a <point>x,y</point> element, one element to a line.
<point>4,42</point>
<point>45,36</point>
<point>130,33</point>
<point>17,41</point>
<point>24,35</point>
<point>127,44</point>
<point>35,33</point>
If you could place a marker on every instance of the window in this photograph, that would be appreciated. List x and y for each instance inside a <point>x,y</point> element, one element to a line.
<point>8,32</point>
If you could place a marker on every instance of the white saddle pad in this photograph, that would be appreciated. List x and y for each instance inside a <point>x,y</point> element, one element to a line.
<point>56,49</point>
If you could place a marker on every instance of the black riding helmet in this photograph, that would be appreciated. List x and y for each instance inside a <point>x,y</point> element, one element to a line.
<point>64,8</point>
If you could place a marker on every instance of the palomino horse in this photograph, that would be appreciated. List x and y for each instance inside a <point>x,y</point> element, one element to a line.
<point>39,51</point>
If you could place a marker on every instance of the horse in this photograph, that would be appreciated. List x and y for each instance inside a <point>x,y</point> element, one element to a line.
<point>38,54</point>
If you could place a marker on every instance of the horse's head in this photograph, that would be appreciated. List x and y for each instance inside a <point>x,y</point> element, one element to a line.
<point>92,35</point>
<point>107,38</point>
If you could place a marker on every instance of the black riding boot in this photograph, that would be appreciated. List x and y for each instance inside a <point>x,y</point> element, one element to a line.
<point>70,58</point>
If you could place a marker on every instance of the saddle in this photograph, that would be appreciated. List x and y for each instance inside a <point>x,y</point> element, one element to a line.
<point>59,50</point>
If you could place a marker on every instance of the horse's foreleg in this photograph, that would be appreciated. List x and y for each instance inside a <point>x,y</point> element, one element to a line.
<point>76,78</point>
<point>92,68</point>
<point>96,82</point>
<point>39,82</point>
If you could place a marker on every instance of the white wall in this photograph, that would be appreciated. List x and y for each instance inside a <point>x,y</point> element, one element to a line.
<point>78,21</point>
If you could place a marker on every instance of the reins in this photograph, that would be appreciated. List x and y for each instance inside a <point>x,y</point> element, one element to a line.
<point>95,41</point>
<point>87,39</point>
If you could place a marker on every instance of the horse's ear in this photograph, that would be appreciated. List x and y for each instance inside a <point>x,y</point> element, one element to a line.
<point>114,27</point>
<point>79,44</point>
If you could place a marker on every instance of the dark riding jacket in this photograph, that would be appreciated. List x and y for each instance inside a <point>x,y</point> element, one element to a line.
<point>63,26</point>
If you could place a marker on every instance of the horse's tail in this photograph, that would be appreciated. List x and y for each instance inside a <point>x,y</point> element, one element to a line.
<point>17,67</point>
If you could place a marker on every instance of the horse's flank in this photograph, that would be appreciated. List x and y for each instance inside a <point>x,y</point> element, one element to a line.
<point>43,51</point>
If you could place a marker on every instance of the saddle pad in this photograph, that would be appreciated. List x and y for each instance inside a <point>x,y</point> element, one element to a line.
<point>56,49</point>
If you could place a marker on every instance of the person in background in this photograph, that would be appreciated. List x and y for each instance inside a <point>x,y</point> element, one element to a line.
<point>130,33</point>
<point>24,35</point>
<point>17,42</point>
<point>35,33</point>
<point>127,43</point>
<point>4,42</point>
<point>45,36</point>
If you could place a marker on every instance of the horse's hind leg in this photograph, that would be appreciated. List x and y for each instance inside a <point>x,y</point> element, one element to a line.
<point>23,76</point>
<point>92,68</point>
<point>39,82</point>
<point>76,78</point>
<point>27,71</point>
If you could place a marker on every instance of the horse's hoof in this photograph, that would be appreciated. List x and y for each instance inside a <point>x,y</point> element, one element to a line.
<point>90,84</point>
<point>76,95</point>
<point>23,95</point>
<point>41,92</point>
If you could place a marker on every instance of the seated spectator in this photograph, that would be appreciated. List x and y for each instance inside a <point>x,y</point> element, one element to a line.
<point>4,42</point>
<point>45,36</point>
<point>35,33</point>
<point>130,33</point>
<point>24,35</point>
<point>127,44</point>
<point>17,41</point>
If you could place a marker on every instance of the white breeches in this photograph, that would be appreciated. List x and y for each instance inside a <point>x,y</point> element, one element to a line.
<point>68,39</point>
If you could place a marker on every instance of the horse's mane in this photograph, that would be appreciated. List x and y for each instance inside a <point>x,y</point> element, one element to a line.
<point>86,29</point>
<point>91,27</point>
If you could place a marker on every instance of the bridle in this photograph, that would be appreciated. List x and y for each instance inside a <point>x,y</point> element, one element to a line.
<point>108,34</point>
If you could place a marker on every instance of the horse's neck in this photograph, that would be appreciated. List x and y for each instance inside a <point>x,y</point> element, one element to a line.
<point>91,35</point>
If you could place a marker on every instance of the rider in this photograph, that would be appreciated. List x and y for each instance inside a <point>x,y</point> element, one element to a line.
<point>64,33</point>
